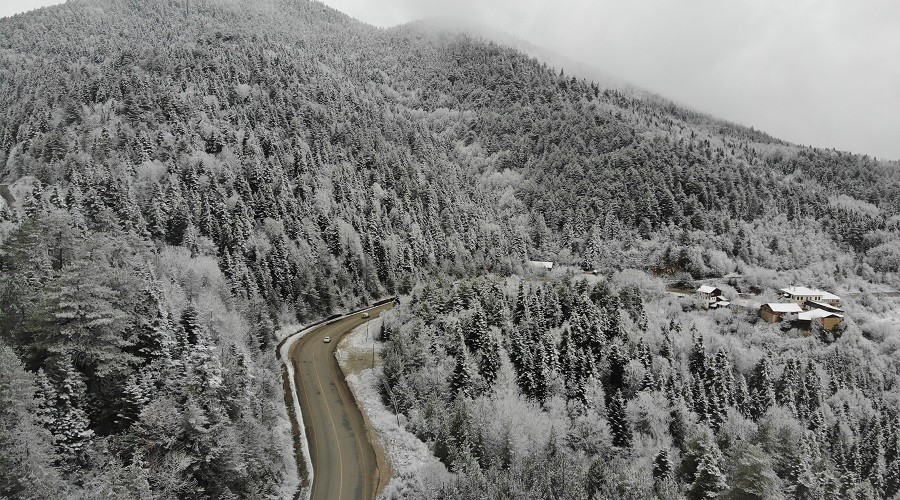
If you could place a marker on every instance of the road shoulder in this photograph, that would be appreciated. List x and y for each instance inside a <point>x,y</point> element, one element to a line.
<point>399,453</point>
<point>302,456</point>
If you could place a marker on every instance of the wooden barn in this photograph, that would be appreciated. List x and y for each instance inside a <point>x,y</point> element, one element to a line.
<point>774,312</point>
<point>827,319</point>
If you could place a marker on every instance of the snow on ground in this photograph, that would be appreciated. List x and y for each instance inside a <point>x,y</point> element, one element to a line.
<point>284,428</point>
<point>414,467</point>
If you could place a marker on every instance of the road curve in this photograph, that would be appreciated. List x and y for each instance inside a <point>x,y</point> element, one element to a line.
<point>343,460</point>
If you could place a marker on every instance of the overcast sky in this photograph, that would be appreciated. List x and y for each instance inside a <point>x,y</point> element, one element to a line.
<point>820,72</point>
<point>823,72</point>
<point>10,7</point>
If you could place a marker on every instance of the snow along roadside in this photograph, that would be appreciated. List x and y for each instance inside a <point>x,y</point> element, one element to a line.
<point>414,467</point>
<point>284,349</point>
<point>283,355</point>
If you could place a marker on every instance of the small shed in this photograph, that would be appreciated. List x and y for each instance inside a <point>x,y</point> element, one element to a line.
<point>541,265</point>
<point>829,320</point>
<point>774,312</point>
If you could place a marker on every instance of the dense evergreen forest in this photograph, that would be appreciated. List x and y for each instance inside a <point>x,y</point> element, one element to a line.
<point>591,388</point>
<point>179,180</point>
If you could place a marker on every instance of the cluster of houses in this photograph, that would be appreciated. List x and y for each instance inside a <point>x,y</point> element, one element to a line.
<point>804,306</point>
<point>800,305</point>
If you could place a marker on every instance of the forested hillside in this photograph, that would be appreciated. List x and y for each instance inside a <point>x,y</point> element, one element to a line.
<point>595,388</point>
<point>180,179</point>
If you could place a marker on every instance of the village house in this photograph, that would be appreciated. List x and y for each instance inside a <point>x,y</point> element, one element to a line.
<point>831,299</point>
<point>708,292</point>
<point>774,312</point>
<point>541,265</point>
<point>827,319</point>
<point>711,297</point>
<point>809,298</point>
<point>801,294</point>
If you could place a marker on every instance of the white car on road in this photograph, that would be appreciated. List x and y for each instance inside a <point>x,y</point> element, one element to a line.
<point>326,340</point>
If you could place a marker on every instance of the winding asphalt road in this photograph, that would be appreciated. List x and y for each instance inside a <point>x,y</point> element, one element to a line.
<point>343,460</point>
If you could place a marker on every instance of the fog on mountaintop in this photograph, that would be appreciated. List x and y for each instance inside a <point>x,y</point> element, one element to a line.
<point>822,74</point>
<point>207,205</point>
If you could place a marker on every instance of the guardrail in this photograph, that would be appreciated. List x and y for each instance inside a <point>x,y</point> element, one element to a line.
<point>333,318</point>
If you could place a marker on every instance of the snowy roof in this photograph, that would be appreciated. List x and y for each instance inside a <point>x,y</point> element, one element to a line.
<point>800,290</point>
<point>706,289</point>
<point>722,303</point>
<point>816,314</point>
<point>784,308</point>
<point>804,291</point>
<point>827,307</point>
<point>541,263</point>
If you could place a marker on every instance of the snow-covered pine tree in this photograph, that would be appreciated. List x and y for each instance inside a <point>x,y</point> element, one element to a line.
<point>461,382</point>
<point>618,421</point>
<point>762,390</point>
<point>662,465</point>
<point>69,422</point>
<point>489,363</point>
<point>709,480</point>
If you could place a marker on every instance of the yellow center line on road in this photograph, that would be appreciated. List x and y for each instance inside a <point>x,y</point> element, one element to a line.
<point>344,400</point>
<point>334,429</point>
<point>305,404</point>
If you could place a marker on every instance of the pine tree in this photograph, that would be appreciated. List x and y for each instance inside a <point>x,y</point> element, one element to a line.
<point>699,398</point>
<point>643,354</point>
<point>539,373</point>
<point>802,481</point>
<point>568,364</point>
<point>26,448</point>
<point>678,423</point>
<point>665,349</point>
<point>785,388</point>
<point>618,422</point>
<point>489,364</point>
<point>203,367</point>
<point>520,309</point>
<point>477,330</point>
<point>892,478</point>
<point>79,315</point>
<point>137,393</point>
<point>69,422</point>
<point>697,362</point>
<point>662,466</point>
<point>742,399</point>
<point>874,467</point>
<point>190,327</point>
<point>762,391</point>
<point>617,363</point>
<point>461,382</point>
<point>649,383</point>
<point>709,480</point>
